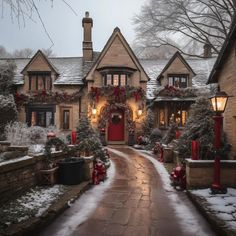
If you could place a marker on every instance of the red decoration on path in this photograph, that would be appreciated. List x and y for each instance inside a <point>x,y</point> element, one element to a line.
<point>99,172</point>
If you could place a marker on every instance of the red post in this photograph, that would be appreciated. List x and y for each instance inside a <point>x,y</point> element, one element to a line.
<point>218,124</point>
<point>73,137</point>
<point>195,150</point>
<point>177,134</point>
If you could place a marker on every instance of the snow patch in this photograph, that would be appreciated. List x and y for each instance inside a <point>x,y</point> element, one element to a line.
<point>15,160</point>
<point>182,211</point>
<point>121,154</point>
<point>85,205</point>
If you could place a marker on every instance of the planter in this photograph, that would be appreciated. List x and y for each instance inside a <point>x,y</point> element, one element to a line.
<point>71,171</point>
<point>168,155</point>
<point>48,177</point>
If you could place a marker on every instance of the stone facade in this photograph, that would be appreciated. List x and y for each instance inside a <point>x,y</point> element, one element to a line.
<point>224,72</point>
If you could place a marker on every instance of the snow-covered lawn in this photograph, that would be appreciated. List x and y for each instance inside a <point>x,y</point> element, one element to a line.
<point>223,206</point>
<point>32,204</point>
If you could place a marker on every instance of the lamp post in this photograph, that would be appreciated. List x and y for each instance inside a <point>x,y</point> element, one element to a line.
<point>218,101</point>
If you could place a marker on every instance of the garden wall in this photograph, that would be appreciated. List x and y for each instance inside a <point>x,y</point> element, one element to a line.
<point>19,174</point>
<point>200,173</point>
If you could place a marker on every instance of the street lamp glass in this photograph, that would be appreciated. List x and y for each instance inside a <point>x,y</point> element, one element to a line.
<point>219,101</point>
<point>94,111</point>
<point>140,111</point>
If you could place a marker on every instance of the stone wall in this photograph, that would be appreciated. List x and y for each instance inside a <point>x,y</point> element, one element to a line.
<point>200,173</point>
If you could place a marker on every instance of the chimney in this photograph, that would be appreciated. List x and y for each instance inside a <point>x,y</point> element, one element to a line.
<point>87,24</point>
<point>207,50</point>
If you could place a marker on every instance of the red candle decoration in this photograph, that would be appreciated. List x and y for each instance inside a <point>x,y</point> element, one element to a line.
<point>195,150</point>
<point>73,137</point>
<point>177,134</point>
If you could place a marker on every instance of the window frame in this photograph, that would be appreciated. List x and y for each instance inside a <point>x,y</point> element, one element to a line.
<point>45,76</point>
<point>179,77</point>
<point>105,79</point>
<point>173,110</point>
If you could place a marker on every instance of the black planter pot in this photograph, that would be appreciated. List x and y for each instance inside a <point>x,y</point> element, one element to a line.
<point>71,171</point>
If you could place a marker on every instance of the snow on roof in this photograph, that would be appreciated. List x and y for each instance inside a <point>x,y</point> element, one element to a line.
<point>71,69</point>
<point>201,66</point>
<point>153,68</point>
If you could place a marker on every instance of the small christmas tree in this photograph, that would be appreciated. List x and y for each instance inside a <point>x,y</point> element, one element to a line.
<point>199,126</point>
<point>148,124</point>
<point>87,137</point>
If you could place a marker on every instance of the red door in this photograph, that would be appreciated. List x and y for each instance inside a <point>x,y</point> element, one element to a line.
<point>116,125</point>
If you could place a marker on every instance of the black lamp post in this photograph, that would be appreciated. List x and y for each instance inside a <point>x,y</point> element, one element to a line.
<point>218,101</point>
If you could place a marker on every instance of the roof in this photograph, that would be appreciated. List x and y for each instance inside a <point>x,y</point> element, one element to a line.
<point>230,39</point>
<point>71,70</point>
<point>201,66</point>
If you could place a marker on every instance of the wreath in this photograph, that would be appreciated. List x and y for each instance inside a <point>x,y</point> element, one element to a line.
<point>105,115</point>
<point>57,143</point>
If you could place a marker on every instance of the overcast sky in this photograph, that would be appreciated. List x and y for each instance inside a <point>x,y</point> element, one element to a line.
<point>65,28</point>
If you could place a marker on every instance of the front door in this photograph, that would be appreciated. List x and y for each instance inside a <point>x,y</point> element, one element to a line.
<point>116,125</point>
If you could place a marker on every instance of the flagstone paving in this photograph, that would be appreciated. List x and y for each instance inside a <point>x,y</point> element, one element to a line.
<point>135,204</point>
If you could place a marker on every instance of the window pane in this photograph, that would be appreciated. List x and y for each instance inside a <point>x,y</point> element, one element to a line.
<point>66,119</point>
<point>170,81</point>
<point>176,82</point>
<point>48,82</point>
<point>41,119</point>
<point>33,83</point>
<point>41,83</point>
<point>33,118</point>
<point>116,80</point>
<point>162,117</point>
<point>122,80</point>
<point>109,80</point>
<point>184,117</point>
<point>49,119</point>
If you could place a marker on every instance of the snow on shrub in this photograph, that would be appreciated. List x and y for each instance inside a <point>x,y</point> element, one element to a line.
<point>8,112</point>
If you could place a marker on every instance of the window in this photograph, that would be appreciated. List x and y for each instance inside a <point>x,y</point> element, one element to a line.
<point>177,114</point>
<point>40,115</point>
<point>178,81</point>
<point>115,79</point>
<point>162,118</point>
<point>66,119</point>
<point>40,81</point>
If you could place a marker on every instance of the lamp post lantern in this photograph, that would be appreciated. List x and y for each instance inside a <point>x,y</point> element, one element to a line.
<point>218,101</point>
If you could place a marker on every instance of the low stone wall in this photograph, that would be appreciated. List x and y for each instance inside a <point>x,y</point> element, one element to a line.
<point>200,173</point>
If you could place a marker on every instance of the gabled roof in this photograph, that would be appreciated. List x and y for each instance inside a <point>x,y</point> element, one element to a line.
<point>117,33</point>
<point>177,54</point>
<point>225,50</point>
<point>40,53</point>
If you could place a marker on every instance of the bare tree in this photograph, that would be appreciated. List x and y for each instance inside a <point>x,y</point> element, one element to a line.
<point>23,53</point>
<point>185,25</point>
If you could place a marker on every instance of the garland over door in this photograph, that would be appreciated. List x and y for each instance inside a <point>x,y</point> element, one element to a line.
<point>116,125</point>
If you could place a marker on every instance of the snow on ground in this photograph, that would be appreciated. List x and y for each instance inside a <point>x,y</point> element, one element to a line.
<point>221,205</point>
<point>32,204</point>
<point>14,160</point>
<point>182,211</point>
<point>85,205</point>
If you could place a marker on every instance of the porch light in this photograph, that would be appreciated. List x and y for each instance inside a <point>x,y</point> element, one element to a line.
<point>219,101</point>
<point>140,112</point>
<point>94,111</point>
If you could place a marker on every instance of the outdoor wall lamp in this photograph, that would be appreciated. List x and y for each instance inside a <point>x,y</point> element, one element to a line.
<point>218,102</point>
<point>94,111</point>
<point>139,112</point>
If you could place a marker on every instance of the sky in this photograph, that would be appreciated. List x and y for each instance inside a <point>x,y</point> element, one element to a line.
<point>65,28</point>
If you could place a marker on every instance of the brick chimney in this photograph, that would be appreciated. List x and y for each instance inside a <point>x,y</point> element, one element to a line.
<point>87,24</point>
<point>207,50</point>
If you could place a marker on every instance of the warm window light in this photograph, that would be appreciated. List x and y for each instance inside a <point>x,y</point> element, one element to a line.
<point>219,101</point>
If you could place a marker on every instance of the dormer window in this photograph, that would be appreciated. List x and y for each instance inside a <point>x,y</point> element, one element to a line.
<point>39,81</point>
<point>115,79</point>
<point>178,81</point>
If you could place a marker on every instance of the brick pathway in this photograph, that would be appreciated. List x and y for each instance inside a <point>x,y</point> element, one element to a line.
<point>135,205</point>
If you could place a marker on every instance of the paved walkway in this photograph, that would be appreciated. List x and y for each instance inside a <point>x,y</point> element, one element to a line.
<point>135,205</point>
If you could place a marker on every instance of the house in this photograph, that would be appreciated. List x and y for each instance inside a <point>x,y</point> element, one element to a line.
<point>224,73</point>
<point>175,84</point>
<point>109,87</point>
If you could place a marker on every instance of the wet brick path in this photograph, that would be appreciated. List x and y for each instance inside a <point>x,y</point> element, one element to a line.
<point>135,205</point>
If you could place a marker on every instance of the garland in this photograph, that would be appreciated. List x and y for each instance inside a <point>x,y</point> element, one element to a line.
<point>105,116</point>
<point>46,97</point>
<point>171,91</point>
<point>116,93</point>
